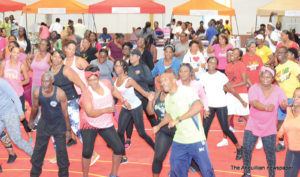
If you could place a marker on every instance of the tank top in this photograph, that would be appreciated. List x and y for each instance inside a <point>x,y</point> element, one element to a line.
<point>13,76</point>
<point>65,84</point>
<point>45,32</point>
<point>98,102</point>
<point>38,68</point>
<point>52,116</point>
<point>128,94</point>
<point>80,73</point>
<point>159,108</point>
<point>160,111</point>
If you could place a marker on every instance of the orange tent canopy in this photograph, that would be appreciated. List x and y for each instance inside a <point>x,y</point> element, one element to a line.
<point>56,7</point>
<point>203,7</point>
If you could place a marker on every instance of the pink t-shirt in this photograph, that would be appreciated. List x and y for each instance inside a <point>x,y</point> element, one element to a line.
<point>3,42</point>
<point>263,123</point>
<point>221,55</point>
<point>45,32</point>
<point>13,76</point>
<point>198,88</point>
<point>98,102</point>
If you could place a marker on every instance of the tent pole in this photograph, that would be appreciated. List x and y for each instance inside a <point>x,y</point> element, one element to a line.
<point>3,17</point>
<point>94,22</point>
<point>255,23</point>
<point>34,18</point>
<point>237,26</point>
<point>83,18</point>
<point>26,23</point>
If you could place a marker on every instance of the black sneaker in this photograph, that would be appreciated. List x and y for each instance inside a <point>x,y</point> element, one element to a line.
<point>34,128</point>
<point>11,158</point>
<point>239,153</point>
<point>124,160</point>
<point>246,175</point>
<point>279,147</point>
<point>0,169</point>
<point>127,144</point>
<point>71,142</point>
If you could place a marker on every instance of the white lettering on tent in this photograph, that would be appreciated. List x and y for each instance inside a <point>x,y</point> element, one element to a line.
<point>51,10</point>
<point>292,13</point>
<point>119,10</point>
<point>203,12</point>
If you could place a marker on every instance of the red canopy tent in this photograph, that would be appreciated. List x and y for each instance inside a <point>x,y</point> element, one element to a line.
<point>127,6</point>
<point>9,5</point>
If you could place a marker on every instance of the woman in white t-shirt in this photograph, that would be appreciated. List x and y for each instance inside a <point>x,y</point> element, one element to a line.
<point>214,82</point>
<point>196,59</point>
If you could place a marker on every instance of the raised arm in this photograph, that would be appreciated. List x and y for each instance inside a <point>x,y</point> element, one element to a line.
<point>73,77</point>
<point>136,86</point>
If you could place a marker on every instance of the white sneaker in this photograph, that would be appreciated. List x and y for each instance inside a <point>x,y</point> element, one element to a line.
<point>231,129</point>
<point>222,143</point>
<point>259,144</point>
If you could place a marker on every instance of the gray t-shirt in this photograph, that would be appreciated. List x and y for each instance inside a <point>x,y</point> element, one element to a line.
<point>106,69</point>
<point>179,47</point>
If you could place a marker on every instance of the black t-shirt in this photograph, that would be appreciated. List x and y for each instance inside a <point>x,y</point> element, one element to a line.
<point>89,54</point>
<point>147,59</point>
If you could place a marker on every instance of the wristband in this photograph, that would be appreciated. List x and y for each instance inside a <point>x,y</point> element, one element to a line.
<point>178,118</point>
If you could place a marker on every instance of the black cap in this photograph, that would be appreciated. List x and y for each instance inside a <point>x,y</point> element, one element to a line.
<point>136,52</point>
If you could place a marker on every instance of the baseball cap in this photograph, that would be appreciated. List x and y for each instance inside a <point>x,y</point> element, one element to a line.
<point>136,52</point>
<point>260,36</point>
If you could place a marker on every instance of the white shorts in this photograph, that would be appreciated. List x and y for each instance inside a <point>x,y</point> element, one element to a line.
<point>235,107</point>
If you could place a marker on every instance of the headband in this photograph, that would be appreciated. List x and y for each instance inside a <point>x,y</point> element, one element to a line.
<point>88,74</point>
<point>264,69</point>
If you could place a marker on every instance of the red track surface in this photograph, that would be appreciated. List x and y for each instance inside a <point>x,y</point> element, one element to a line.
<point>140,157</point>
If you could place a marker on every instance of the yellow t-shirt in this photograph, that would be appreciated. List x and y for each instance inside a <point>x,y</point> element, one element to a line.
<point>264,52</point>
<point>286,77</point>
<point>227,27</point>
<point>189,130</point>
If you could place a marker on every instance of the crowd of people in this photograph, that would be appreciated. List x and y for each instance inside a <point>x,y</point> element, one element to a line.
<point>73,79</point>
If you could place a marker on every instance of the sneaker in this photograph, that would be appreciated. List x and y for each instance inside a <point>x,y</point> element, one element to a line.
<point>246,175</point>
<point>53,160</point>
<point>239,153</point>
<point>71,142</point>
<point>124,160</point>
<point>30,140</point>
<point>0,169</point>
<point>222,143</point>
<point>240,120</point>
<point>127,144</point>
<point>34,128</point>
<point>169,174</point>
<point>231,129</point>
<point>259,144</point>
<point>279,147</point>
<point>113,175</point>
<point>193,170</point>
<point>94,159</point>
<point>11,158</point>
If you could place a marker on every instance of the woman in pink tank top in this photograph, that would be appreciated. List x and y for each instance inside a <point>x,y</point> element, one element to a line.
<point>16,74</point>
<point>96,116</point>
<point>76,63</point>
<point>44,31</point>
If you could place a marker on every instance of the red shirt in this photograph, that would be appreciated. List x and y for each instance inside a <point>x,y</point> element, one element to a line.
<point>253,65</point>
<point>294,45</point>
<point>234,73</point>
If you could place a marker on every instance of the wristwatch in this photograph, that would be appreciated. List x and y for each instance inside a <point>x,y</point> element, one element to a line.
<point>178,118</point>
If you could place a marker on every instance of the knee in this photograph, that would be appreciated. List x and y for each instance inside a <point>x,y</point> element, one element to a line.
<point>120,150</point>
<point>142,134</point>
<point>87,153</point>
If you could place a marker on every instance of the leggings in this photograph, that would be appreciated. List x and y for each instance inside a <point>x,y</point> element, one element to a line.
<point>222,117</point>
<point>249,142</point>
<point>11,122</point>
<point>137,116</point>
<point>73,111</point>
<point>5,140</point>
<point>292,163</point>
<point>163,142</point>
<point>24,122</point>
<point>151,119</point>
<point>109,135</point>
